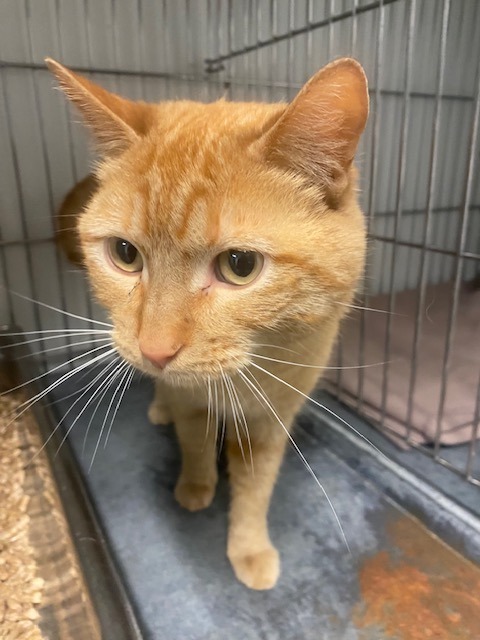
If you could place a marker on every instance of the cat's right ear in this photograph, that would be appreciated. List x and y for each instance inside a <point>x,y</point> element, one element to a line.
<point>318,133</point>
<point>115,122</point>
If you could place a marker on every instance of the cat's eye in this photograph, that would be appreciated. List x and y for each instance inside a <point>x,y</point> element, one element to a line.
<point>238,267</point>
<point>124,255</point>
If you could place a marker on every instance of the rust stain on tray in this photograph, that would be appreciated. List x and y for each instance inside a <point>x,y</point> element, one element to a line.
<point>421,590</point>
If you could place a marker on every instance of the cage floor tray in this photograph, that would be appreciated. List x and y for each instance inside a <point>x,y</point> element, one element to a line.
<point>397,579</point>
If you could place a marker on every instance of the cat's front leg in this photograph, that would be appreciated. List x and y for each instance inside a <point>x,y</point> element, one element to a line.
<point>159,412</point>
<point>198,478</point>
<point>253,557</point>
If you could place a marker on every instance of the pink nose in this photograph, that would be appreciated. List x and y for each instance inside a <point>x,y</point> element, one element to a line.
<point>159,355</point>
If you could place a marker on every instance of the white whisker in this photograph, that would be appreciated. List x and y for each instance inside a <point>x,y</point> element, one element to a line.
<point>101,393</point>
<point>360,308</point>
<point>322,406</point>
<point>61,380</point>
<point>216,410</point>
<point>63,347</point>
<point>65,313</point>
<point>63,364</point>
<point>244,422</point>
<point>128,381</point>
<point>274,346</point>
<point>84,408</point>
<point>102,428</point>
<point>260,394</point>
<point>209,400</point>
<point>314,366</point>
<point>234,414</point>
<point>89,386</point>
<point>31,401</point>
<point>77,391</point>
<point>61,333</point>
<point>224,415</point>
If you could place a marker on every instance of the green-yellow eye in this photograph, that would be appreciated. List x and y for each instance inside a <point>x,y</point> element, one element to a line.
<point>238,267</point>
<point>124,255</point>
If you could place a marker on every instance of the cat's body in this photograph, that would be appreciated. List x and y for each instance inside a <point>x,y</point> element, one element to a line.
<point>242,245</point>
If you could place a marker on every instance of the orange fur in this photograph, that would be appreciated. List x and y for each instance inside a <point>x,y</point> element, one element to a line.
<point>184,181</point>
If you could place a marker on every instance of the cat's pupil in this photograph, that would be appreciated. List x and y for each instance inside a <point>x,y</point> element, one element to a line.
<point>126,251</point>
<point>242,263</point>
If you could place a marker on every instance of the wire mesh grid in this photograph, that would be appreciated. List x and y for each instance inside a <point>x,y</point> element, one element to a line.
<point>418,158</point>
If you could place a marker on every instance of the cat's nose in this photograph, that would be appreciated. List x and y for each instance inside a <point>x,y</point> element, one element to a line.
<point>159,354</point>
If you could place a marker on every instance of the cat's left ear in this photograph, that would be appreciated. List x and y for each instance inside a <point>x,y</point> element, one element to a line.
<point>114,121</point>
<point>318,133</point>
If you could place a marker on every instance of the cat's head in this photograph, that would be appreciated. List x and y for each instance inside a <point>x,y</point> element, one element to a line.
<point>215,225</point>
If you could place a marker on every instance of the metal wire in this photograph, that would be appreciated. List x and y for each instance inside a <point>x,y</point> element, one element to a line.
<point>71,154</point>
<point>140,26</point>
<point>376,117</point>
<point>411,4</point>
<point>472,449</point>
<point>425,255</point>
<point>256,50</point>
<point>353,43</point>
<point>213,65</point>
<point>166,50</point>
<point>433,249</point>
<point>23,216</point>
<point>6,281</point>
<point>427,246</point>
<point>290,52</point>
<point>48,172</point>
<point>466,210</point>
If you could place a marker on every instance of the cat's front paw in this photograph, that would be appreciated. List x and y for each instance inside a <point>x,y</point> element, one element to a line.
<point>258,570</point>
<point>194,496</point>
<point>158,414</point>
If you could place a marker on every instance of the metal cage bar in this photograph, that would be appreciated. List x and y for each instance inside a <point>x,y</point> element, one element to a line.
<point>372,190</point>
<point>215,64</point>
<point>472,160</point>
<point>23,218</point>
<point>425,255</point>
<point>264,49</point>
<point>411,4</point>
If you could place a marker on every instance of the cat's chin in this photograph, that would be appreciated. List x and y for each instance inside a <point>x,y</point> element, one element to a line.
<point>178,379</point>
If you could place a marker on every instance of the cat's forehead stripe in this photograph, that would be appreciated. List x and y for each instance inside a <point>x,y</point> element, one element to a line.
<point>184,167</point>
<point>179,182</point>
<point>192,204</point>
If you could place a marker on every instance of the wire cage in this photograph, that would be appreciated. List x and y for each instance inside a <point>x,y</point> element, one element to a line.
<point>418,164</point>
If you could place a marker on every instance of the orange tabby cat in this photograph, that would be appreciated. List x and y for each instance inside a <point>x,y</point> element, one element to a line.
<point>224,237</point>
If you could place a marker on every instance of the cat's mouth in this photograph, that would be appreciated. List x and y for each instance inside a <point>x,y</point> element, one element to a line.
<point>182,371</point>
<point>195,374</point>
